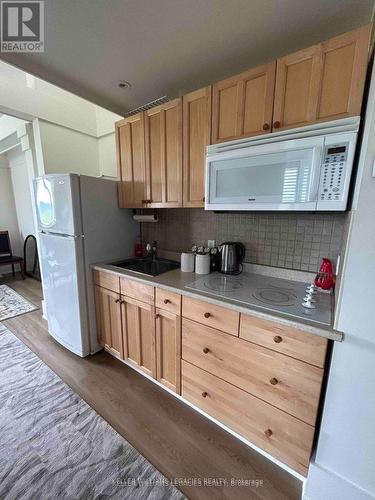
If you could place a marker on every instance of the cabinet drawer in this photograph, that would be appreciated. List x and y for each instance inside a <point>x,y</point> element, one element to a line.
<point>281,338</point>
<point>287,383</point>
<point>208,314</point>
<point>278,433</point>
<point>168,301</point>
<point>107,280</point>
<point>137,290</point>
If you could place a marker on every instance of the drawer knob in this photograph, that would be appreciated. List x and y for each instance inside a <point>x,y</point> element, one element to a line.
<point>204,394</point>
<point>206,350</point>
<point>276,124</point>
<point>274,381</point>
<point>167,301</point>
<point>146,201</point>
<point>268,432</point>
<point>277,339</point>
<point>207,315</point>
<point>266,126</point>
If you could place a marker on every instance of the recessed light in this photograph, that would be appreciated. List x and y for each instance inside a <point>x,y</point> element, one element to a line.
<point>123,84</point>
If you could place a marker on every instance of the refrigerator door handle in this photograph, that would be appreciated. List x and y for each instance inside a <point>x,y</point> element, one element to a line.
<point>61,235</point>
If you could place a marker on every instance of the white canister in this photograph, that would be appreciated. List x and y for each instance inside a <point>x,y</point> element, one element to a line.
<point>187,262</point>
<point>202,263</point>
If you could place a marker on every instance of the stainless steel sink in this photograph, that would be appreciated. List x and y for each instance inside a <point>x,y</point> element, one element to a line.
<point>152,267</point>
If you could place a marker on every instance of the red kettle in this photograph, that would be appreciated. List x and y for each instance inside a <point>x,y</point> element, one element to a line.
<point>325,277</point>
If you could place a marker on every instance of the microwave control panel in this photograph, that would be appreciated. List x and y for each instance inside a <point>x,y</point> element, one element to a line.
<point>333,173</point>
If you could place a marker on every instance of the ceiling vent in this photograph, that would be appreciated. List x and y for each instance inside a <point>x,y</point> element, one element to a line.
<point>149,105</point>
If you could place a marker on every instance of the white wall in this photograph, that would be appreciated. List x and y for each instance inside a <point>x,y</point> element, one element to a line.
<point>28,97</point>
<point>75,135</point>
<point>8,216</point>
<point>21,191</point>
<point>344,467</point>
<point>9,125</point>
<point>68,151</point>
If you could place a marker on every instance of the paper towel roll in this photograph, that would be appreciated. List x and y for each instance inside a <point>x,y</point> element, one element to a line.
<point>146,218</point>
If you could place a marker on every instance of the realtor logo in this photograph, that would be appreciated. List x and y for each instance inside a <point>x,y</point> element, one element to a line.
<point>22,26</point>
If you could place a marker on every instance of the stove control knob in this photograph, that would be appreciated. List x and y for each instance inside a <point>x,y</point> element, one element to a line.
<point>308,304</point>
<point>309,297</point>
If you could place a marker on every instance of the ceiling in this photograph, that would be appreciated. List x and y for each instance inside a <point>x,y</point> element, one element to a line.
<point>169,47</point>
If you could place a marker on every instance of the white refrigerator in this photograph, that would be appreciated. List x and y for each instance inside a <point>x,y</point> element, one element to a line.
<point>79,223</point>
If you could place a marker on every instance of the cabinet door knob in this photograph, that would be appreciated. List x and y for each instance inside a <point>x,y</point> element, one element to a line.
<point>157,316</point>
<point>204,198</point>
<point>277,339</point>
<point>204,394</point>
<point>276,124</point>
<point>268,432</point>
<point>117,301</point>
<point>122,301</point>
<point>167,301</point>
<point>207,315</point>
<point>274,381</point>
<point>206,350</point>
<point>266,126</point>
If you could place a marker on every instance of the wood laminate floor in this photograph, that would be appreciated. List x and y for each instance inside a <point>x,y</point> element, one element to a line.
<point>181,443</point>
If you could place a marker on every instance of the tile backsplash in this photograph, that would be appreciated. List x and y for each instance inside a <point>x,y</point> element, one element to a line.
<point>290,240</point>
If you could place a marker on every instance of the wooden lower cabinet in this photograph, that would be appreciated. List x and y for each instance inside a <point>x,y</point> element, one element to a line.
<point>168,349</point>
<point>108,320</point>
<point>273,430</point>
<point>287,383</point>
<point>138,333</point>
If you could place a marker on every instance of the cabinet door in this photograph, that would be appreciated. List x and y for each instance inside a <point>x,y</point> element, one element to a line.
<point>108,320</point>
<point>130,147</point>
<point>242,105</point>
<point>196,136</point>
<point>345,60</point>
<point>297,86</point>
<point>168,349</point>
<point>323,82</point>
<point>138,329</point>
<point>163,142</point>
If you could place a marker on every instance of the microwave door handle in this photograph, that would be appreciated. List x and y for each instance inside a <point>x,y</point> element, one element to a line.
<point>316,172</point>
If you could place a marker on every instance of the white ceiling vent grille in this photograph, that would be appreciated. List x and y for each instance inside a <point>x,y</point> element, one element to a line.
<point>148,105</point>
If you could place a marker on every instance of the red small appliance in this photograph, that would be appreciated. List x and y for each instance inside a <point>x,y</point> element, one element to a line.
<point>325,278</point>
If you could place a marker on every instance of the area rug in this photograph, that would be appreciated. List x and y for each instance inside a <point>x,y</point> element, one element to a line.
<point>54,446</point>
<point>13,304</point>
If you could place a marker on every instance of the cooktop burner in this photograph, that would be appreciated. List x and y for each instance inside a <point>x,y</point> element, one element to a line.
<point>268,293</point>
<point>220,283</point>
<point>276,296</point>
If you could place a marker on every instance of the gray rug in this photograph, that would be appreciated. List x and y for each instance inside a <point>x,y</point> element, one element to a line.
<point>54,446</point>
<point>13,304</point>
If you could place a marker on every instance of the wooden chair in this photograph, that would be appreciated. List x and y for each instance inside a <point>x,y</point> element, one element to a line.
<point>6,256</point>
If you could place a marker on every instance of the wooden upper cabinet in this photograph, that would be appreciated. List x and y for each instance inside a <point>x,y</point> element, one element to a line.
<point>163,146</point>
<point>130,148</point>
<point>345,59</point>
<point>196,136</point>
<point>323,82</point>
<point>297,86</point>
<point>242,105</point>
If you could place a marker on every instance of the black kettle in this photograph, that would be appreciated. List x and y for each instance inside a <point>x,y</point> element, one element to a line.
<point>232,254</point>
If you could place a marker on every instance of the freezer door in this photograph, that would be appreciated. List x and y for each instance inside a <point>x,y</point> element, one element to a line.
<point>57,202</point>
<point>64,291</point>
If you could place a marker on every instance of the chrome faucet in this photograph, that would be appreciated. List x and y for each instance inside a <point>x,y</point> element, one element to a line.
<point>152,250</point>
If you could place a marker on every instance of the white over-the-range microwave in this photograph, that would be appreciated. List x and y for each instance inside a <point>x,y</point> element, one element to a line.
<point>304,169</point>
